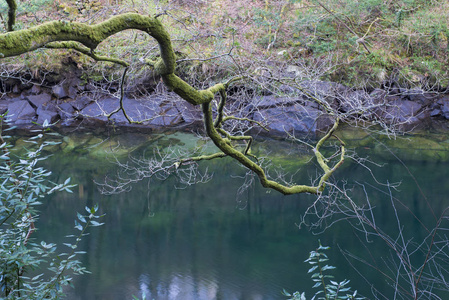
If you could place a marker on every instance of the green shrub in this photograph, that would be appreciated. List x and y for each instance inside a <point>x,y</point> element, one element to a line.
<point>33,269</point>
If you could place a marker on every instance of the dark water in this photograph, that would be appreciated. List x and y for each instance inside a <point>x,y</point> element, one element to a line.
<point>205,242</point>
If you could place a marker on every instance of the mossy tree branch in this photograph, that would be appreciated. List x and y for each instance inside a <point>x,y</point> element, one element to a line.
<point>86,51</point>
<point>224,145</point>
<point>85,38</point>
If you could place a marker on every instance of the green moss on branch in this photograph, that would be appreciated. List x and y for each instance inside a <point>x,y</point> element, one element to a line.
<point>228,149</point>
<point>26,40</point>
<point>86,51</point>
<point>187,92</point>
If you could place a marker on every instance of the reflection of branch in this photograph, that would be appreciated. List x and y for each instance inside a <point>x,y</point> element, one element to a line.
<point>160,166</point>
<point>415,264</point>
<point>432,244</point>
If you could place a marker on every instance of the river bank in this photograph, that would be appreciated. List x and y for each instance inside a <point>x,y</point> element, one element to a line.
<point>73,102</point>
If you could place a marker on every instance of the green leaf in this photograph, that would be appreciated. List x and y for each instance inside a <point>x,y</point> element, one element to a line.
<point>312,269</point>
<point>327,267</point>
<point>69,245</point>
<point>81,218</point>
<point>95,223</point>
<point>54,134</point>
<point>78,226</point>
<point>37,277</point>
<point>323,247</point>
<point>285,293</point>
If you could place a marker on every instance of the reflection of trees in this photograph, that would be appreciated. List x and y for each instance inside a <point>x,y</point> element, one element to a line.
<point>163,231</point>
<point>199,240</point>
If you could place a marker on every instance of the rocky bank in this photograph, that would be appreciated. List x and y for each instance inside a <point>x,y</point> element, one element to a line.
<point>74,103</point>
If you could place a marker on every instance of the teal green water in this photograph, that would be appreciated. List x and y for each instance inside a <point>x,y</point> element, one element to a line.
<point>204,242</point>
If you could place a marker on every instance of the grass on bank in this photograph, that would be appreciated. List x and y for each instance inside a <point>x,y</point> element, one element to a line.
<point>369,43</point>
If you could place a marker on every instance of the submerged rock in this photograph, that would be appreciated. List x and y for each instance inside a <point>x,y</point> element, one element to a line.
<point>95,146</point>
<point>417,148</point>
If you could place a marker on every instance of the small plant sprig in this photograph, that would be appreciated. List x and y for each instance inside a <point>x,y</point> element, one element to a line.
<point>23,185</point>
<point>66,261</point>
<point>329,289</point>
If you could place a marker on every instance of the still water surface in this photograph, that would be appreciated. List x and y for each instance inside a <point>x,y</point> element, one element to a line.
<point>204,242</point>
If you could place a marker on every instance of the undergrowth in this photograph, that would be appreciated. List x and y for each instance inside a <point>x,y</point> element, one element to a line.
<point>371,41</point>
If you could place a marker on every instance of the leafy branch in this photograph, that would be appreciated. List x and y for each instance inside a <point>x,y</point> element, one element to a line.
<point>23,185</point>
<point>329,289</point>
